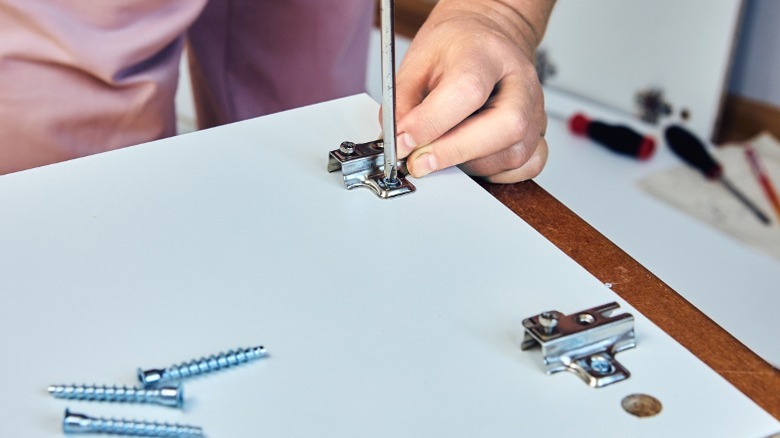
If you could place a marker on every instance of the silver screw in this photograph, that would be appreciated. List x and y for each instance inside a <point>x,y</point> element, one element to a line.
<point>347,147</point>
<point>155,377</point>
<point>548,321</point>
<point>391,183</point>
<point>80,423</point>
<point>167,395</point>
<point>600,365</point>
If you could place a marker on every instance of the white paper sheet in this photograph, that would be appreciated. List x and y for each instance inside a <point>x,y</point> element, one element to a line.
<point>382,318</point>
<point>710,202</point>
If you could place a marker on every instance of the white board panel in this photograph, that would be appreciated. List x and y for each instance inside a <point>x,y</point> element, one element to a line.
<point>608,50</point>
<point>382,318</point>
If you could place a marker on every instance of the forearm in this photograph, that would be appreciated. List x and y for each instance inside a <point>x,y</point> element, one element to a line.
<point>525,20</point>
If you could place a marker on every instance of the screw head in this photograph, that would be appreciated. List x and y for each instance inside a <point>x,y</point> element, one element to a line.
<point>548,321</point>
<point>76,423</point>
<point>601,365</point>
<point>172,396</point>
<point>391,183</point>
<point>150,378</point>
<point>347,147</point>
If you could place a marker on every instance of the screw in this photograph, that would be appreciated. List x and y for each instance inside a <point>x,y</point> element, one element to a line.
<point>390,183</point>
<point>167,395</point>
<point>548,321</point>
<point>347,147</point>
<point>80,423</point>
<point>600,365</point>
<point>155,377</point>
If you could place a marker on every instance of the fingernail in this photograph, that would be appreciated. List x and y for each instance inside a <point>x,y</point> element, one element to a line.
<point>423,165</point>
<point>405,144</point>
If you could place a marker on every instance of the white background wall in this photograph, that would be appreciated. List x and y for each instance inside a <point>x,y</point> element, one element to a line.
<point>756,70</point>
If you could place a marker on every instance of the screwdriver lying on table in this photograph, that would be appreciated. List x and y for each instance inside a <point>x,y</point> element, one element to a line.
<point>617,138</point>
<point>691,150</point>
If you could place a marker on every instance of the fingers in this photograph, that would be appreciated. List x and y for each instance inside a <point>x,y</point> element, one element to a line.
<point>528,170</point>
<point>412,83</point>
<point>505,132</point>
<point>519,155</point>
<point>458,95</point>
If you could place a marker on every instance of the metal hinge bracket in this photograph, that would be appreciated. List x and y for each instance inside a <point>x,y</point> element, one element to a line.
<point>584,343</point>
<point>362,165</point>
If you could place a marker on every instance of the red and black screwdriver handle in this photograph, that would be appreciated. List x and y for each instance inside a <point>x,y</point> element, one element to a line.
<point>618,138</point>
<point>691,150</point>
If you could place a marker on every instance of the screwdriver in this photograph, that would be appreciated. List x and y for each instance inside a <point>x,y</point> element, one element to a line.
<point>617,138</point>
<point>691,150</point>
<point>387,40</point>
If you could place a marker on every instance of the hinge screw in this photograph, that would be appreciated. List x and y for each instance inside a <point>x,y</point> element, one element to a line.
<point>600,365</point>
<point>80,423</point>
<point>347,147</point>
<point>548,321</point>
<point>167,395</point>
<point>155,377</point>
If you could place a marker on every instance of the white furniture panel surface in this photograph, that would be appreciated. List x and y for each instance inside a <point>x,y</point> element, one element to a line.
<point>382,318</point>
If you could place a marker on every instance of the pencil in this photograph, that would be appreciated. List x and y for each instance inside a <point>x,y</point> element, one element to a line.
<point>763,178</point>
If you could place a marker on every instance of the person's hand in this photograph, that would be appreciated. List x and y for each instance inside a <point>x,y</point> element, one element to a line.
<point>467,92</point>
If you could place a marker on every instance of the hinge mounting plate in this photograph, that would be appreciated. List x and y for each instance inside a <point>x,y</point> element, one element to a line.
<point>362,165</point>
<point>584,343</point>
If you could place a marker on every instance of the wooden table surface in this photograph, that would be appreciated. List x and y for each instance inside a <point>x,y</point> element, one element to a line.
<point>755,377</point>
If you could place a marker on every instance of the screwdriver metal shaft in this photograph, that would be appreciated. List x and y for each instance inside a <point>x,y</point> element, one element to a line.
<point>693,152</point>
<point>744,199</point>
<point>388,93</point>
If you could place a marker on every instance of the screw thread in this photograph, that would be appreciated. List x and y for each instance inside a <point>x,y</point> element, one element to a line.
<point>143,428</point>
<point>212,363</point>
<point>79,423</point>
<point>167,396</point>
<point>155,377</point>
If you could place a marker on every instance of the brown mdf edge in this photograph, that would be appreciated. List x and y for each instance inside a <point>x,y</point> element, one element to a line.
<point>756,378</point>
